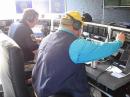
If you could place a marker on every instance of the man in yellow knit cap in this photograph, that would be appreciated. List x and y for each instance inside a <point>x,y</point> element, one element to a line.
<point>59,67</point>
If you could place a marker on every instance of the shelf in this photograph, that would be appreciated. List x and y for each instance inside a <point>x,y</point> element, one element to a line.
<point>116,3</point>
<point>116,6</point>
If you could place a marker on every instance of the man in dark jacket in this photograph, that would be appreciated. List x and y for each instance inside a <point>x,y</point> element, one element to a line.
<point>59,65</point>
<point>21,32</point>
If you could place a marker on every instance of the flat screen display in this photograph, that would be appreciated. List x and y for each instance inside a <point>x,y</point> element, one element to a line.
<point>96,32</point>
<point>23,4</point>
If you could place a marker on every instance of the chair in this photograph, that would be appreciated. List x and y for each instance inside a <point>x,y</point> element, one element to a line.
<point>12,68</point>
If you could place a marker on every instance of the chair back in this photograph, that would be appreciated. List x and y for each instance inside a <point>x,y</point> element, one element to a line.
<point>12,68</point>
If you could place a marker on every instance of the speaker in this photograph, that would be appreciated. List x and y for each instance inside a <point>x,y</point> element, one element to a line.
<point>75,23</point>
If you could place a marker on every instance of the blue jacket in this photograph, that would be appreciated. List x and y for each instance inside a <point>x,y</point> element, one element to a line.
<point>21,34</point>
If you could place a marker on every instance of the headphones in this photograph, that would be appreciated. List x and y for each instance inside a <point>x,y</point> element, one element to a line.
<point>75,23</point>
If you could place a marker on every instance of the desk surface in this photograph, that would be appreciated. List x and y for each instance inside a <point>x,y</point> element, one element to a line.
<point>105,78</point>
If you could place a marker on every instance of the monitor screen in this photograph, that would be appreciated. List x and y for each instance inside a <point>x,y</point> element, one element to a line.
<point>96,32</point>
<point>23,4</point>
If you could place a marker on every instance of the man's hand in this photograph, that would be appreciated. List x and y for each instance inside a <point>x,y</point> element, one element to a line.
<point>120,37</point>
<point>38,40</point>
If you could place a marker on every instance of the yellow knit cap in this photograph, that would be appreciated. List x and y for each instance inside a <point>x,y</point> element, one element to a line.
<point>75,14</point>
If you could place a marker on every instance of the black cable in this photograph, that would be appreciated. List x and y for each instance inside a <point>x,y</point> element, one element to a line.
<point>102,73</point>
<point>92,92</point>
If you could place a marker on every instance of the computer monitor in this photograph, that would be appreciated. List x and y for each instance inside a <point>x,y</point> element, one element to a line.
<point>96,32</point>
<point>126,53</point>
